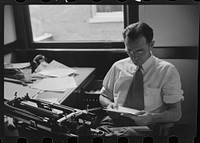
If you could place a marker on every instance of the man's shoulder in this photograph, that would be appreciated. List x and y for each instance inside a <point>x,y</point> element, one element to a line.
<point>123,61</point>
<point>124,65</point>
<point>162,63</point>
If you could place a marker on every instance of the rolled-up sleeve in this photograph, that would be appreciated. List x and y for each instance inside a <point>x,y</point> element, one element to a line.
<point>172,91</point>
<point>108,84</point>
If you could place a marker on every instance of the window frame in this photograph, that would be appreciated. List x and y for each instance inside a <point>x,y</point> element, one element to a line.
<point>25,32</point>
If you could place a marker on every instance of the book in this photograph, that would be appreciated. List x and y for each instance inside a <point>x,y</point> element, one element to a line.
<point>121,109</point>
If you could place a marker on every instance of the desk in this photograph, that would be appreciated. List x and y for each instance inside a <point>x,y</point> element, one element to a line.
<point>83,77</point>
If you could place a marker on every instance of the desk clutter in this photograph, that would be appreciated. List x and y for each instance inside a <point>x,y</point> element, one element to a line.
<point>37,76</point>
<point>46,98</point>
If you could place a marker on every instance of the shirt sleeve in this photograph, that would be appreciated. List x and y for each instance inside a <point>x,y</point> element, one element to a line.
<point>172,88</point>
<point>108,83</point>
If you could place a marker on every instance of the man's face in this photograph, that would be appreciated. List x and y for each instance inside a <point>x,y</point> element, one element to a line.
<point>138,50</point>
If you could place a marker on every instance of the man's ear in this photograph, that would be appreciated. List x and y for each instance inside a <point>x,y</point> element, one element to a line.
<point>152,44</point>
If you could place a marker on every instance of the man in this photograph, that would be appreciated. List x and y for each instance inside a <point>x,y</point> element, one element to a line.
<point>161,87</point>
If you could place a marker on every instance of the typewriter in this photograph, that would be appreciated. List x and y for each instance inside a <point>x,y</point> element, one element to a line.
<point>51,119</point>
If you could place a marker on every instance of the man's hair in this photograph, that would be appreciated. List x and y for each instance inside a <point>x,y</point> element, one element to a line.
<point>135,30</point>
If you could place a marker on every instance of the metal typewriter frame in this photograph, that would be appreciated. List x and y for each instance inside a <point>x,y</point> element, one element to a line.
<point>41,115</point>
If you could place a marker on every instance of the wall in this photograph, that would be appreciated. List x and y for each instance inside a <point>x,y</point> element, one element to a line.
<point>174,25</point>
<point>188,70</point>
<point>9,25</point>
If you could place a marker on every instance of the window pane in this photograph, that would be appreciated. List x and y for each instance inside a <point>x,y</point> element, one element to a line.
<point>109,8</point>
<point>74,23</point>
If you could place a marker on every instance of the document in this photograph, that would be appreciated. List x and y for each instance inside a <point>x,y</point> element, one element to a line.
<point>121,109</point>
<point>56,69</point>
<point>16,65</point>
<point>59,84</point>
<point>12,89</point>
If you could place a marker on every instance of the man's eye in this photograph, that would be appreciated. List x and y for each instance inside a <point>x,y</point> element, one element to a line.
<point>139,52</point>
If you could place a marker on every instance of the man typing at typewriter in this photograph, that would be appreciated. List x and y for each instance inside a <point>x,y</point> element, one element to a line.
<point>141,81</point>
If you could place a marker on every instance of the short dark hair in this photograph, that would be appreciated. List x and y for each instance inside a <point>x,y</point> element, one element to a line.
<point>135,30</point>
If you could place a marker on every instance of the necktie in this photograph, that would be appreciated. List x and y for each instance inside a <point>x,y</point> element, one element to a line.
<point>135,96</point>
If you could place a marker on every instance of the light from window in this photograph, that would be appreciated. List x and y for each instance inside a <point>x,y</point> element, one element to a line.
<point>76,23</point>
<point>106,13</point>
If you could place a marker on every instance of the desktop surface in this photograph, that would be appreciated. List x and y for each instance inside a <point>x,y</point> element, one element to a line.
<point>82,78</point>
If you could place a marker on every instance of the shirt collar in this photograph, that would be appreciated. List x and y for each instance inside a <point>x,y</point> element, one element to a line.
<point>148,62</point>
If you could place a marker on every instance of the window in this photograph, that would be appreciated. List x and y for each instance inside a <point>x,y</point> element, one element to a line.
<point>76,23</point>
<point>107,13</point>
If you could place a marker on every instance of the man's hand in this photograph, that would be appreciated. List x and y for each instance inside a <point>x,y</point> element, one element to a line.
<point>142,118</point>
<point>113,114</point>
<point>113,106</point>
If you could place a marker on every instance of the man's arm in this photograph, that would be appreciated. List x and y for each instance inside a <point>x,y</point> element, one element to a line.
<point>173,114</point>
<point>106,102</point>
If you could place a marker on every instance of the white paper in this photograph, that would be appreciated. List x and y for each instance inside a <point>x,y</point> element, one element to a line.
<point>57,72</point>
<point>16,65</point>
<point>11,88</point>
<point>55,84</point>
<point>121,109</point>
<point>57,69</point>
<point>52,100</point>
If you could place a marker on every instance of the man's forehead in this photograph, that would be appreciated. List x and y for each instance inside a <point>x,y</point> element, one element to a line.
<point>137,43</point>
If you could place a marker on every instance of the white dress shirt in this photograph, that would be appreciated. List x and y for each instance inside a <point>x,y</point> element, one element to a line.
<point>161,82</point>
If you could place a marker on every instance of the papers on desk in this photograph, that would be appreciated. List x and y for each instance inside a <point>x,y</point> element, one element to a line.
<point>121,109</point>
<point>16,65</point>
<point>11,88</point>
<point>56,69</point>
<point>55,84</point>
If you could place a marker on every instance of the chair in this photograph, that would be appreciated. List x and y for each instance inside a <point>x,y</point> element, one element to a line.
<point>163,129</point>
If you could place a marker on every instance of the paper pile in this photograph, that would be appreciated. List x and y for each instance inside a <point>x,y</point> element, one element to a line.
<point>55,84</point>
<point>16,65</point>
<point>56,78</point>
<point>56,69</point>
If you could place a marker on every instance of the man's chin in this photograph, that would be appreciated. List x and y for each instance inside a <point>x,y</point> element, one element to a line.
<point>136,62</point>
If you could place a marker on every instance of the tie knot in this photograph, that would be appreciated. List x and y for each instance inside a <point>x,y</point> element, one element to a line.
<point>140,68</point>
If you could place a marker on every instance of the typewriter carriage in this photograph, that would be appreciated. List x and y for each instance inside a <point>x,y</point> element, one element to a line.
<point>46,117</point>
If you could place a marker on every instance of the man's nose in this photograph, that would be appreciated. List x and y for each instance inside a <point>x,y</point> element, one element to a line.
<point>134,55</point>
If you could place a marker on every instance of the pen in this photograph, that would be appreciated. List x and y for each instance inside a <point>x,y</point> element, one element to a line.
<point>15,81</point>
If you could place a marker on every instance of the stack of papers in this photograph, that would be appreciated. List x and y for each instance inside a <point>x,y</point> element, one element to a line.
<point>56,69</point>
<point>16,65</point>
<point>55,84</point>
<point>56,77</point>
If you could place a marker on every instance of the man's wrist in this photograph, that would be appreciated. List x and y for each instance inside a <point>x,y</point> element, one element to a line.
<point>155,118</point>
